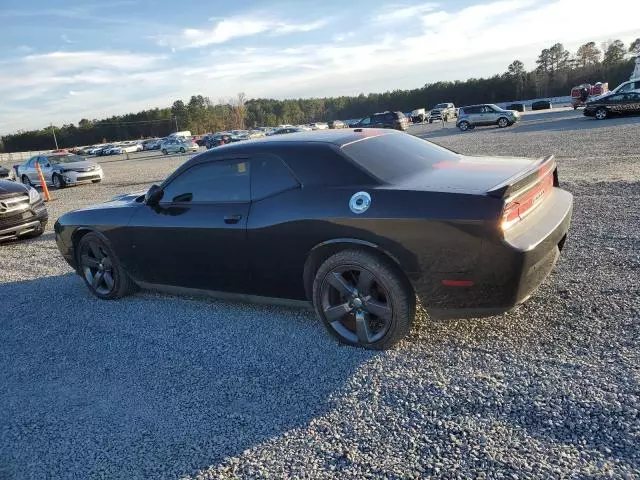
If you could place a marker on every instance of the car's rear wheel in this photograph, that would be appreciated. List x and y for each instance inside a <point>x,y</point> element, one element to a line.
<point>464,126</point>
<point>362,300</point>
<point>601,113</point>
<point>164,151</point>
<point>503,122</point>
<point>58,181</point>
<point>101,269</point>
<point>26,181</point>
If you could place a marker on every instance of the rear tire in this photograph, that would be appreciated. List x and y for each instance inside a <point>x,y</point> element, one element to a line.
<point>26,181</point>
<point>601,113</point>
<point>464,126</point>
<point>363,300</point>
<point>165,151</point>
<point>101,270</point>
<point>182,150</point>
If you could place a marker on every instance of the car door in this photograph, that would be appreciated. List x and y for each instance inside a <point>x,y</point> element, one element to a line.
<point>474,115</point>
<point>364,123</point>
<point>46,167</point>
<point>270,235</point>
<point>489,115</point>
<point>196,236</point>
<point>33,172</point>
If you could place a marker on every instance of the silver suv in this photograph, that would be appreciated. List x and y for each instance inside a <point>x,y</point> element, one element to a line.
<point>485,114</point>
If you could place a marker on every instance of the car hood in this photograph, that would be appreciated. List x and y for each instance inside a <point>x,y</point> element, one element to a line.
<point>77,165</point>
<point>8,187</point>
<point>467,175</point>
<point>127,197</point>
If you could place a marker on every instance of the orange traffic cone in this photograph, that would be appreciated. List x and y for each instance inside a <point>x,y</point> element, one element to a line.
<point>45,190</point>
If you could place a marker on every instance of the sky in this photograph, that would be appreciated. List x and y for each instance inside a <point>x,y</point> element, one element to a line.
<point>64,60</point>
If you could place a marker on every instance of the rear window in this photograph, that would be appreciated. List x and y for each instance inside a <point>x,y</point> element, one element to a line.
<point>391,157</point>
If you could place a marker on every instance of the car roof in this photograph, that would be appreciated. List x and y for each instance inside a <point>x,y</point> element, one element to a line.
<point>335,137</point>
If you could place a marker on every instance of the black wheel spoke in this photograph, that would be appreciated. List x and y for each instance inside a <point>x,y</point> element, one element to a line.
<point>337,281</point>
<point>365,281</point>
<point>335,313</point>
<point>97,279</point>
<point>90,262</point>
<point>380,310</point>
<point>95,251</point>
<point>362,327</point>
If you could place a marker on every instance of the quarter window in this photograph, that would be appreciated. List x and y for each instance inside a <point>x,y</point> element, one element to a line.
<point>215,182</point>
<point>270,176</point>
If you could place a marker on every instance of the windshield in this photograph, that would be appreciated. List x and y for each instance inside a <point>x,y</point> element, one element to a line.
<point>57,159</point>
<point>441,105</point>
<point>390,157</point>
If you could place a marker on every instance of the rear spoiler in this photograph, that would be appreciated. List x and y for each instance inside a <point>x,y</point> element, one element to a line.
<point>526,177</point>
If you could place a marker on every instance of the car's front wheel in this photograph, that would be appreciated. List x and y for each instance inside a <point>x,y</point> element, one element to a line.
<point>503,122</point>
<point>182,150</point>
<point>601,113</point>
<point>101,269</point>
<point>164,151</point>
<point>464,126</point>
<point>363,300</point>
<point>58,181</point>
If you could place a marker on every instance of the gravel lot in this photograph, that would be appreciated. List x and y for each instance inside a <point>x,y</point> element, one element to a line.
<point>157,386</point>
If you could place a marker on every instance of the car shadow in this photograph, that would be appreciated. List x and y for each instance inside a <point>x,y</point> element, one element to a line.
<point>152,386</point>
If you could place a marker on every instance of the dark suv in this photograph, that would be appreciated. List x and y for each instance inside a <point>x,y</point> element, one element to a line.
<point>395,120</point>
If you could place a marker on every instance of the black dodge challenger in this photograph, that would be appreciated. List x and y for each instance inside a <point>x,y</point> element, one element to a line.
<point>358,221</point>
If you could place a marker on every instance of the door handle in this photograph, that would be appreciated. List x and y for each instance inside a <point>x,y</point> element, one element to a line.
<point>231,219</point>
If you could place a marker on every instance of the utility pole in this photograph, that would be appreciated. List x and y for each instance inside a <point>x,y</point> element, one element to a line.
<point>176,119</point>
<point>54,136</point>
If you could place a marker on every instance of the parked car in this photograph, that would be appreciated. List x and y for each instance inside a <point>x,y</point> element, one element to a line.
<point>153,144</point>
<point>22,212</point>
<point>281,131</point>
<point>518,107</point>
<point>102,151</point>
<point>418,115</point>
<point>334,124</point>
<point>7,173</point>
<point>541,105</point>
<point>628,86</point>
<point>178,145</point>
<point>613,104</point>
<point>393,120</point>
<point>358,223</point>
<point>219,139</point>
<point>60,170</point>
<point>486,114</point>
<point>442,111</point>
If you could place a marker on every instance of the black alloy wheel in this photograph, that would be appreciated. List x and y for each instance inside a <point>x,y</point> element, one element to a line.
<point>101,270</point>
<point>362,300</point>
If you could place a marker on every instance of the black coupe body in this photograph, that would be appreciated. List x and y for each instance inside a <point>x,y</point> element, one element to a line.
<point>357,221</point>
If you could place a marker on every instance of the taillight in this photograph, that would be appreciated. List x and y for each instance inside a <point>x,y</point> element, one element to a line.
<point>524,202</point>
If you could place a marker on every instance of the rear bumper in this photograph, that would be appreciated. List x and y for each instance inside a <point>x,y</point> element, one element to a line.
<point>509,271</point>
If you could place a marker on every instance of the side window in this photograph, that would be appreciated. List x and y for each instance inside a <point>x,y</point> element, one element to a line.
<point>366,121</point>
<point>214,182</point>
<point>626,88</point>
<point>472,110</point>
<point>270,176</point>
<point>615,98</point>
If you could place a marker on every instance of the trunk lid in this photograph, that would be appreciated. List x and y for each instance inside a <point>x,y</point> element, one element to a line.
<point>466,174</point>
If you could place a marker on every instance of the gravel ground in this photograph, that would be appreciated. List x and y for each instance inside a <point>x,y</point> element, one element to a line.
<point>156,386</point>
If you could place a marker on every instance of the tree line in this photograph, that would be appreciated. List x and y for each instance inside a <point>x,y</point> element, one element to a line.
<point>557,71</point>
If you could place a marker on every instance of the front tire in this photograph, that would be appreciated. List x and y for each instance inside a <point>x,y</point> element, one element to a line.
<point>503,122</point>
<point>601,113</point>
<point>363,300</point>
<point>165,151</point>
<point>182,150</point>
<point>463,126</point>
<point>101,270</point>
<point>58,181</point>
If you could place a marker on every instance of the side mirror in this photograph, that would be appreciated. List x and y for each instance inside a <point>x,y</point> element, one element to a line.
<point>153,195</point>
